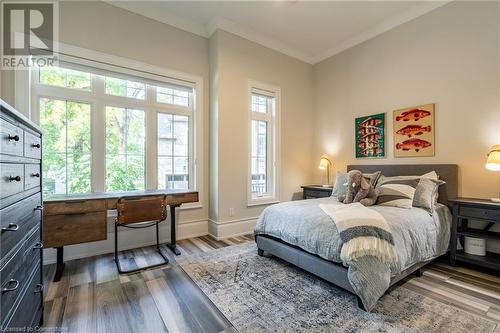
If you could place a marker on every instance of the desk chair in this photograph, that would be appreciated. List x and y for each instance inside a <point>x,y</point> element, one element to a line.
<point>139,213</point>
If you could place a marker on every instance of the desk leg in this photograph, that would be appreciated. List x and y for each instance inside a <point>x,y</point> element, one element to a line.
<point>60,264</point>
<point>172,246</point>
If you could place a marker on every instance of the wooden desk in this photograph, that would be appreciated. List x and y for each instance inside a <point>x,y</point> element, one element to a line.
<point>76,219</point>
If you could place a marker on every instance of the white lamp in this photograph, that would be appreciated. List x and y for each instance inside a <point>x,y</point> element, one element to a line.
<point>493,162</point>
<point>324,164</point>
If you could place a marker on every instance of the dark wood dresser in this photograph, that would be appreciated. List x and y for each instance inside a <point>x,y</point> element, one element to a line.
<point>21,283</point>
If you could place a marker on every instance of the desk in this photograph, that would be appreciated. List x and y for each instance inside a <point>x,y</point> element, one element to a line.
<point>75,219</point>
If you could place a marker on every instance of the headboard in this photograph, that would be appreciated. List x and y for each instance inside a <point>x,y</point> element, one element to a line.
<point>446,172</point>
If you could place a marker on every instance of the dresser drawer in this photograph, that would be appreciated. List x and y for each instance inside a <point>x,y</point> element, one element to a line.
<point>14,279</point>
<point>11,179</point>
<point>33,248</point>
<point>32,146</point>
<point>74,207</point>
<point>59,230</point>
<point>31,176</point>
<point>482,213</point>
<point>11,139</point>
<point>17,221</point>
<point>30,304</point>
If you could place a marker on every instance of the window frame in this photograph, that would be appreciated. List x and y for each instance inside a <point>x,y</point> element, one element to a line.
<point>272,194</point>
<point>98,100</point>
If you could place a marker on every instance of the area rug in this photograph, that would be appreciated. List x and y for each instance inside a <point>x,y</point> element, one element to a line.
<point>266,294</point>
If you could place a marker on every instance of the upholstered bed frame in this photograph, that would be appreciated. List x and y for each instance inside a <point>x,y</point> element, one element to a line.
<point>336,273</point>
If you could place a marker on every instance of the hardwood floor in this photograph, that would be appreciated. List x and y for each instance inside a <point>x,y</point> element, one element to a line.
<point>93,297</point>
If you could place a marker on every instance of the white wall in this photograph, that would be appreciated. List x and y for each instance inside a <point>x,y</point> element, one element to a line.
<point>238,61</point>
<point>449,57</point>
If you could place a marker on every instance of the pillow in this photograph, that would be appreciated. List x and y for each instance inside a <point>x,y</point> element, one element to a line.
<point>340,187</point>
<point>426,194</point>
<point>342,178</point>
<point>398,191</point>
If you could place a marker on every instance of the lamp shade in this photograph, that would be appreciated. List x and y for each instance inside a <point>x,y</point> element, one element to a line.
<point>493,162</point>
<point>324,162</point>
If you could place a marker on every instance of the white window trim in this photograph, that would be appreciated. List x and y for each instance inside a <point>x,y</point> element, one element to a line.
<point>274,91</point>
<point>24,82</point>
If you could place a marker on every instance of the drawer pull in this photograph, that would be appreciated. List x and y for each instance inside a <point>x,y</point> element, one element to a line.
<point>12,281</point>
<point>39,208</point>
<point>13,137</point>
<point>36,145</point>
<point>36,175</point>
<point>38,289</point>
<point>15,178</point>
<point>11,227</point>
<point>38,246</point>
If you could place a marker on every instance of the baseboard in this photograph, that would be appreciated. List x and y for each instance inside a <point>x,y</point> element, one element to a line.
<point>129,239</point>
<point>222,230</point>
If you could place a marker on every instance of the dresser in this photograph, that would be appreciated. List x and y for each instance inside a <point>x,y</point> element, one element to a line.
<point>21,283</point>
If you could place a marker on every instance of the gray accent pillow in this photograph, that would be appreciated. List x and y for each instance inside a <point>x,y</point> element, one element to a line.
<point>342,178</point>
<point>426,193</point>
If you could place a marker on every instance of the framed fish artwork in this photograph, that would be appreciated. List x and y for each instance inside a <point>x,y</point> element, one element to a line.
<point>413,131</point>
<point>370,136</point>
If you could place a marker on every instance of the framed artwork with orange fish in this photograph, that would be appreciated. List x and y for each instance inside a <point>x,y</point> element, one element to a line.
<point>370,136</point>
<point>414,131</point>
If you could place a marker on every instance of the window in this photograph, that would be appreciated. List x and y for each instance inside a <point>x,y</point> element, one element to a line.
<point>173,151</point>
<point>100,129</point>
<point>67,146</point>
<point>263,150</point>
<point>125,149</point>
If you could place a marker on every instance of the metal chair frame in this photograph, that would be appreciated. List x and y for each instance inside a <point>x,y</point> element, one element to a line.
<point>139,225</point>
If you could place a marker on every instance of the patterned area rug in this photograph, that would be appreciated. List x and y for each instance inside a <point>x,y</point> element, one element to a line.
<point>261,294</point>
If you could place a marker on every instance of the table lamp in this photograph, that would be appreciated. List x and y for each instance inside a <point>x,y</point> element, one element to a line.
<point>324,164</point>
<point>493,163</point>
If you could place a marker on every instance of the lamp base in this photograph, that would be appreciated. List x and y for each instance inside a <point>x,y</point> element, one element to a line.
<point>495,199</point>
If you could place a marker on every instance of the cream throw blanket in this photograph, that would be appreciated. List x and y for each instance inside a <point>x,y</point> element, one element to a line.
<point>363,231</point>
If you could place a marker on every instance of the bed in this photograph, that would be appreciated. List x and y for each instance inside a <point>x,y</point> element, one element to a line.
<point>301,233</point>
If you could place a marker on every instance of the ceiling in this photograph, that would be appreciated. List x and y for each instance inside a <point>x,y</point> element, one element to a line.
<point>307,30</point>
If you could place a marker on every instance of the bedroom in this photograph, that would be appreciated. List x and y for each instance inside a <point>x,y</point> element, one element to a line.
<point>193,72</point>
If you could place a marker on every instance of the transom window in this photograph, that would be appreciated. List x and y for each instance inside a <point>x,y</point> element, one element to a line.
<point>263,166</point>
<point>99,129</point>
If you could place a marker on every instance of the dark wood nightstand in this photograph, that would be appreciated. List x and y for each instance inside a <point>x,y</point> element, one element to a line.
<point>316,191</point>
<point>479,210</point>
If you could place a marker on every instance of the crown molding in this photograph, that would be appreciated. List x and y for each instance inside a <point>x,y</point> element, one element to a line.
<point>379,29</point>
<point>218,23</point>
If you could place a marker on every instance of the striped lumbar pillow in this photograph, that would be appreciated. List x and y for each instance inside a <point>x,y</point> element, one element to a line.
<point>399,191</point>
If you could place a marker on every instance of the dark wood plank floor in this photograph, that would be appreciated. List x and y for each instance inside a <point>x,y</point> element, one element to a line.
<point>93,297</point>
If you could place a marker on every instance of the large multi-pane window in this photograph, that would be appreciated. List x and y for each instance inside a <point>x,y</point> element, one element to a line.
<point>99,127</point>
<point>125,149</point>
<point>67,145</point>
<point>263,145</point>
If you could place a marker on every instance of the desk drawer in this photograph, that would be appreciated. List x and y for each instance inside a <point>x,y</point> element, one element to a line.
<point>17,221</point>
<point>32,146</point>
<point>31,176</point>
<point>60,230</point>
<point>11,139</point>
<point>11,179</point>
<point>482,213</point>
<point>74,207</point>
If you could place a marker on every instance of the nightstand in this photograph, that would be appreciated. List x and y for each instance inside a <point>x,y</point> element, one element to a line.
<point>316,191</point>
<point>465,209</point>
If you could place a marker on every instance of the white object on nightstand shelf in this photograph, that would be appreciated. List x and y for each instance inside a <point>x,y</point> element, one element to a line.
<point>475,246</point>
